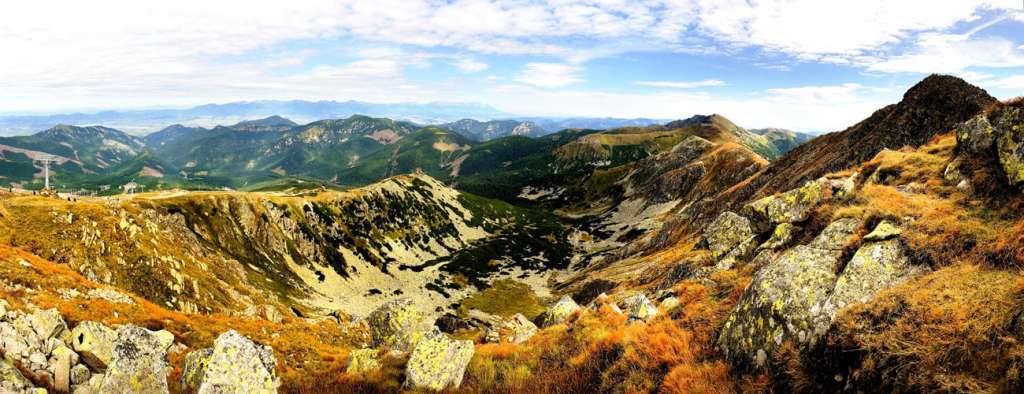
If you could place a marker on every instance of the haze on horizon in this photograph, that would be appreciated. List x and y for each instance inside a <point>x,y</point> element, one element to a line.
<point>805,65</point>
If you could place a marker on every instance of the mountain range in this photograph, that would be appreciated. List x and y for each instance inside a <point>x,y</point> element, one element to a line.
<point>143,121</point>
<point>354,151</point>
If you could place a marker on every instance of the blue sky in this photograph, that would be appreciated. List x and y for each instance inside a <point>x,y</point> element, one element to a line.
<point>809,65</point>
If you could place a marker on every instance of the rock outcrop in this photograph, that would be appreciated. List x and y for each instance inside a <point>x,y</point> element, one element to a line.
<point>793,206</point>
<point>95,343</point>
<point>438,362</point>
<point>796,297</point>
<point>236,364</point>
<point>639,308</point>
<point>362,360</point>
<point>784,299</point>
<point>558,312</point>
<point>1009,127</point>
<point>397,325</point>
<point>730,235</point>
<point>139,362</point>
<point>516,329</point>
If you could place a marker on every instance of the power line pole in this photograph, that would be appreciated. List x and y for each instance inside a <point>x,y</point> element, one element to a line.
<point>46,170</point>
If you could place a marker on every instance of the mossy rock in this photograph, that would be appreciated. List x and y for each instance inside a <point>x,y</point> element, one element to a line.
<point>438,362</point>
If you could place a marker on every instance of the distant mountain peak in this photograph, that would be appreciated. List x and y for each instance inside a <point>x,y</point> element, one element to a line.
<point>270,121</point>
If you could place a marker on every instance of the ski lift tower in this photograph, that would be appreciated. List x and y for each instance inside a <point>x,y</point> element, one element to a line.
<point>46,160</point>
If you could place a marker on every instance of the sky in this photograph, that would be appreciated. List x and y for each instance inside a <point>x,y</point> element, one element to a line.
<point>807,65</point>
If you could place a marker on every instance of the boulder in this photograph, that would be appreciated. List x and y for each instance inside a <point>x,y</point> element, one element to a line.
<point>47,323</point>
<point>396,325</point>
<point>94,342</point>
<point>363,360</point>
<point>729,234</point>
<point>604,300</point>
<point>194,368</point>
<point>793,206</point>
<point>782,235</point>
<point>883,230</point>
<point>80,375</point>
<point>558,312</point>
<point>139,362</point>
<point>1010,144</point>
<point>11,380</point>
<point>450,323</point>
<point>236,364</point>
<point>438,362</point>
<point>975,136</point>
<point>669,303</point>
<point>784,299</point>
<point>516,329</point>
<point>875,266</point>
<point>61,361</point>
<point>952,174</point>
<point>639,308</point>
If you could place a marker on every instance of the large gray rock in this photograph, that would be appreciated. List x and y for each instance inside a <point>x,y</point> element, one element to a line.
<point>975,136</point>
<point>11,380</point>
<point>558,312</point>
<point>875,267</point>
<point>784,300</point>
<point>95,343</point>
<point>730,235</point>
<point>236,364</point>
<point>1010,144</point>
<point>639,308</point>
<point>793,206</point>
<point>516,329</point>
<point>139,363</point>
<point>396,325</point>
<point>47,323</point>
<point>438,362</point>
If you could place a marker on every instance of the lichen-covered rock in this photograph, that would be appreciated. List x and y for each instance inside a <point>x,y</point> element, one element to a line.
<point>236,364</point>
<point>639,308</point>
<point>883,230</point>
<point>194,368</point>
<point>47,323</point>
<point>438,362</point>
<point>844,187</point>
<point>11,380</point>
<point>80,374</point>
<point>784,299</point>
<point>729,234</point>
<point>558,312</point>
<point>1010,144</point>
<point>139,363</point>
<point>604,300</point>
<point>975,136</point>
<point>782,235</point>
<point>362,360</point>
<point>669,303</point>
<point>876,266</point>
<point>94,342</point>
<point>516,329</point>
<point>793,206</point>
<point>396,325</point>
<point>952,174</point>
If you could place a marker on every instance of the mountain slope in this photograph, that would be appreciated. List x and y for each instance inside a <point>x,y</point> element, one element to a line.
<point>485,131</point>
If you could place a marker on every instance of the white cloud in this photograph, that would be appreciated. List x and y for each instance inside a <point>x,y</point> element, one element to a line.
<point>812,28</point>
<point>816,94</point>
<point>470,65</point>
<point>815,108</point>
<point>1012,82</point>
<point>953,53</point>
<point>550,75</point>
<point>681,84</point>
